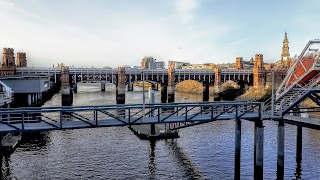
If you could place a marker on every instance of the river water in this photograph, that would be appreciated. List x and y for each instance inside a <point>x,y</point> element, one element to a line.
<point>202,152</point>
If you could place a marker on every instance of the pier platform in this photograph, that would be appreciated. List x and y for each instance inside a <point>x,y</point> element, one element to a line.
<point>144,132</point>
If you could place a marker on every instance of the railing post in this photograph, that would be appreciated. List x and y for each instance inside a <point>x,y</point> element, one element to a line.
<point>236,111</point>
<point>129,115</point>
<point>159,114</point>
<point>211,112</point>
<point>22,123</point>
<point>96,117</point>
<point>60,119</point>
<point>186,112</point>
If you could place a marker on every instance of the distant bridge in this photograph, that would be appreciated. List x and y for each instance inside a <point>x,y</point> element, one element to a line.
<point>153,75</point>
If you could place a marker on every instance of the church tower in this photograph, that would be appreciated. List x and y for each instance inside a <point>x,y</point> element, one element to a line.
<point>285,56</point>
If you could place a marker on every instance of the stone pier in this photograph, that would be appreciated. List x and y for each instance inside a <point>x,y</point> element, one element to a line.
<point>66,91</point>
<point>171,84</point>
<point>217,80</point>
<point>121,86</point>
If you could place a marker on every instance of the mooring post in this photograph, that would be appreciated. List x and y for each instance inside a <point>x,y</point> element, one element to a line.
<point>171,84</point>
<point>280,159</point>
<point>237,149</point>
<point>205,94</point>
<point>259,135</point>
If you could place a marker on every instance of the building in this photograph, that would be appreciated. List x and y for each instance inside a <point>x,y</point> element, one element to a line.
<point>178,64</point>
<point>148,62</point>
<point>159,65</point>
<point>200,66</point>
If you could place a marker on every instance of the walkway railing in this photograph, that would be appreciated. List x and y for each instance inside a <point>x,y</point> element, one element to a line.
<point>56,118</point>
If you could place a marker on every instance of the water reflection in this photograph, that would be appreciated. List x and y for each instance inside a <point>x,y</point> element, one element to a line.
<point>5,167</point>
<point>183,160</point>
<point>152,165</point>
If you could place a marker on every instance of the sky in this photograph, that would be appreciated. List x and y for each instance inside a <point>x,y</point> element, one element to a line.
<point>86,33</point>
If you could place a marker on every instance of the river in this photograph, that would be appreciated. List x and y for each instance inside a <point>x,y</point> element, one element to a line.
<point>202,152</point>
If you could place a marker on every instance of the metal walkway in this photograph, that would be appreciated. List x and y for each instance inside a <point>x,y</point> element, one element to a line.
<point>58,118</point>
<point>302,81</point>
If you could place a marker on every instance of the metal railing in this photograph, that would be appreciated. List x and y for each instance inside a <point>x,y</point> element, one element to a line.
<point>56,118</point>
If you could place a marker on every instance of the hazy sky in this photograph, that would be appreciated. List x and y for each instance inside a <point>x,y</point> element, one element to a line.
<point>121,32</point>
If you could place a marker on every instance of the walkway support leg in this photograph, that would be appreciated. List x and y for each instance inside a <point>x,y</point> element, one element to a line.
<point>258,167</point>
<point>237,149</point>
<point>280,159</point>
<point>299,152</point>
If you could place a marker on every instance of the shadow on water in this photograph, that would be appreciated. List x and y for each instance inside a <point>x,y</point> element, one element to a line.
<point>5,167</point>
<point>189,167</point>
<point>35,140</point>
<point>152,165</point>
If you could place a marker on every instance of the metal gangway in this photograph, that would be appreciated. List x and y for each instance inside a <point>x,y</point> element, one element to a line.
<point>6,94</point>
<point>302,81</point>
<point>58,118</point>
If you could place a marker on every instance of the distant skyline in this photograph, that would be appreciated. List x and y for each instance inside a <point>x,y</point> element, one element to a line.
<point>87,33</point>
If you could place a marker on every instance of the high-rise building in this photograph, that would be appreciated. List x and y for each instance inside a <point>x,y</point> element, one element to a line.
<point>147,62</point>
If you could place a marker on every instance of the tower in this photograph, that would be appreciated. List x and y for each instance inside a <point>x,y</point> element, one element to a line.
<point>285,56</point>
<point>259,76</point>
<point>21,59</point>
<point>239,63</point>
<point>8,66</point>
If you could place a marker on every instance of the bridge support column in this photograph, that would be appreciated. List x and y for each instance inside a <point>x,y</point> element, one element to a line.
<point>237,149</point>
<point>258,164</point>
<point>299,152</point>
<point>130,87</point>
<point>280,160</point>
<point>163,93</point>
<point>103,86</point>
<point>205,94</point>
<point>217,80</point>
<point>171,84</point>
<point>120,92</point>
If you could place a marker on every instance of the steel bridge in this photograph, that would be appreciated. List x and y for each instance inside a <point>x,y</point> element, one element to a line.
<point>183,114</point>
<point>302,81</point>
<point>131,75</point>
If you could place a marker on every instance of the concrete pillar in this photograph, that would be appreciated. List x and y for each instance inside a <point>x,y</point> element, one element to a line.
<point>237,149</point>
<point>120,93</point>
<point>29,99</point>
<point>259,136</point>
<point>205,94</point>
<point>280,159</point>
<point>130,87</point>
<point>171,84</point>
<point>103,86</point>
<point>217,80</point>
<point>164,93</point>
